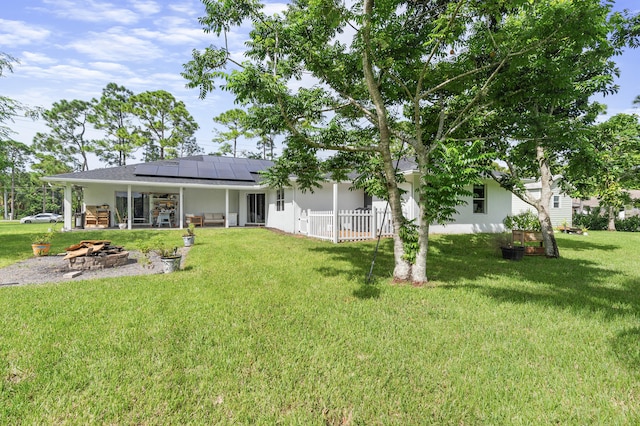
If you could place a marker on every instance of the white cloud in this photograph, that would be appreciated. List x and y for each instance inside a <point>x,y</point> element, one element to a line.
<point>91,11</point>
<point>110,67</point>
<point>190,8</point>
<point>173,36</point>
<point>65,72</point>
<point>34,58</point>
<point>18,33</point>
<point>146,7</point>
<point>117,45</point>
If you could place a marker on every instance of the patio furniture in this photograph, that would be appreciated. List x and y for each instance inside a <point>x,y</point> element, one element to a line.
<point>213,219</point>
<point>192,218</point>
<point>164,218</point>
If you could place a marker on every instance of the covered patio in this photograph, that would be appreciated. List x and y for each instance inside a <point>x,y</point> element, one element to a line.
<point>204,190</point>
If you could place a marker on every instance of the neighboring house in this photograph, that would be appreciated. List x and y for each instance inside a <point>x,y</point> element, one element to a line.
<point>233,187</point>
<point>629,210</point>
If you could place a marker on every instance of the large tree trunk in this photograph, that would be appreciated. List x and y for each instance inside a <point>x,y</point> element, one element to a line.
<point>611,226</point>
<point>546,181</point>
<point>402,269</point>
<point>419,271</point>
<point>548,237</point>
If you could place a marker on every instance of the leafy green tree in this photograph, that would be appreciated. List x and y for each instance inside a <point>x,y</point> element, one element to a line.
<point>112,114</point>
<point>9,108</point>
<point>236,122</point>
<point>382,80</point>
<point>605,165</point>
<point>167,128</point>
<point>542,104</point>
<point>67,140</point>
<point>14,156</point>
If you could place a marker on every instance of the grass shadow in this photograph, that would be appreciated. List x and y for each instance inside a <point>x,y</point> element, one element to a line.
<point>626,347</point>
<point>579,284</point>
<point>354,259</point>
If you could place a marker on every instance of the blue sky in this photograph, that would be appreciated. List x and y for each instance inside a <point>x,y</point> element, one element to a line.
<point>71,49</point>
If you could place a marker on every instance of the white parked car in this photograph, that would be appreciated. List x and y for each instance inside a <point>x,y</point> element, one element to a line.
<point>42,218</point>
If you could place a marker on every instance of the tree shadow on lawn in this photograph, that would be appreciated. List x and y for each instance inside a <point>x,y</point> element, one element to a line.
<point>577,284</point>
<point>459,261</point>
<point>582,243</point>
<point>626,346</point>
<point>359,256</point>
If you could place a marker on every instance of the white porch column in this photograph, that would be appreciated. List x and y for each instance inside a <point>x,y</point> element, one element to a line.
<point>129,211</point>
<point>226,208</point>
<point>336,228</point>
<point>181,207</point>
<point>67,207</point>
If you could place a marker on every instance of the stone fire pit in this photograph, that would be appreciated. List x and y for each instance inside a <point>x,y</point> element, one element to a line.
<point>95,254</point>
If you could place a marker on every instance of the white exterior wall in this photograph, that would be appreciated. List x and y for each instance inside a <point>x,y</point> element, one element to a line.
<point>322,198</point>
<point>559,215</point>
<point>498,205</point>
<point>199,201</point>
<point>285,220</point>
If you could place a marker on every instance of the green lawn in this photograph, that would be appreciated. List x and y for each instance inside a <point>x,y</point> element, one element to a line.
<point>264,328</point>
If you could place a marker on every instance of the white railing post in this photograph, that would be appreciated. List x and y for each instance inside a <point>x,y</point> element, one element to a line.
<point>374,222</point>
<point>336,228</point>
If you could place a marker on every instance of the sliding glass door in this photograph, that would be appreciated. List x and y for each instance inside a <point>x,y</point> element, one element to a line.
<point>255,209</point>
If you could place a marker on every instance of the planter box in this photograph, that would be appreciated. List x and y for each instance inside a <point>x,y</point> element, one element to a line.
<point>534,250</point>
<point>512,253</point>
<point>527,236</point>
<point>524,237</point>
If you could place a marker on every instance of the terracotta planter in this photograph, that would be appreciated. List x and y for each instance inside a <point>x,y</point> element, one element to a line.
<point>170,264</point>
<point>41,249</point>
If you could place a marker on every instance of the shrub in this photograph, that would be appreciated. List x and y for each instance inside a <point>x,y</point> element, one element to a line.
<point>524,221</point>
<point>593,220</point>
<point>630,224</point>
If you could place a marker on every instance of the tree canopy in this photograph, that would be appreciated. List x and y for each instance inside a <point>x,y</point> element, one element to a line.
<point>384,79</point>
<point>605,165</point>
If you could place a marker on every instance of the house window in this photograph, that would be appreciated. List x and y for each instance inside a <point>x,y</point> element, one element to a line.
<point>556,201</point>
<point>280,199</point>
<point>479,199</point>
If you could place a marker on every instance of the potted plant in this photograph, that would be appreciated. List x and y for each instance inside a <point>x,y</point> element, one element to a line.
<point>41,244</point>
<point>508,250</point>
<point>189,236</point>
<point>170,258</point>
<point>122,220</point>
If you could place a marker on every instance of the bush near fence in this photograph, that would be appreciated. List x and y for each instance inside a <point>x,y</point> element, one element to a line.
<point>596,220</point>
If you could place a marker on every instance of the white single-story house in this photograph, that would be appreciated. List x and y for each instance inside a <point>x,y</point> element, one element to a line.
<point>174,192</point>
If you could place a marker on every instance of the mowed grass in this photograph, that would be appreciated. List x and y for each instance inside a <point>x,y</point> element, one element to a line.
<point>266,328</point>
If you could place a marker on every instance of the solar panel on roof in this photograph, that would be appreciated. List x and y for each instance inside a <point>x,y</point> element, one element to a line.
<point>226,174</point>
<point>206,167</point>
<point>146,169</point>
<point>242,174</point>
<point>167,171</point>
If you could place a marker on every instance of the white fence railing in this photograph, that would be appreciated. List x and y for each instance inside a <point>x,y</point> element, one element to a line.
<point>346,225</point>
